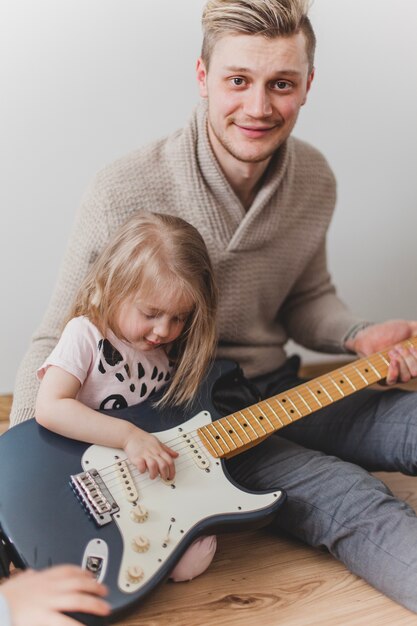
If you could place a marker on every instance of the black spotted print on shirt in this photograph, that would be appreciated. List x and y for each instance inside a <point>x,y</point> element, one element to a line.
<point>110,354</point>
<point>112,358</point>
<point>115,401</point>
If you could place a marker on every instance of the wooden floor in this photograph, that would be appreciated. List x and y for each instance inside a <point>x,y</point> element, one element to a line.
<point>259,578</point>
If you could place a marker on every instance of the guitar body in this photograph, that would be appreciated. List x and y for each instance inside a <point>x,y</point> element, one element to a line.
<point>45,520</point>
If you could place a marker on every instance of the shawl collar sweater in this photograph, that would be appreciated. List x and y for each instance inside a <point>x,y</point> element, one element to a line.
<point>270,261</point>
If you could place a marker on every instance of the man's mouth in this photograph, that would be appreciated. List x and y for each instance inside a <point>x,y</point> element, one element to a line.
<point>254,132</point>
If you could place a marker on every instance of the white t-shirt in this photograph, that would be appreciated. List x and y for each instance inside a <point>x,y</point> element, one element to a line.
<point>113,374</point>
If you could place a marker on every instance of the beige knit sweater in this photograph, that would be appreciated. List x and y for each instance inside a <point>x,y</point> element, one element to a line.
<point>270,261</point>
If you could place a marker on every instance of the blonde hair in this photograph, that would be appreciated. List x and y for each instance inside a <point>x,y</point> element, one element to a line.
<point>152,252</point>
<point>269,18</point>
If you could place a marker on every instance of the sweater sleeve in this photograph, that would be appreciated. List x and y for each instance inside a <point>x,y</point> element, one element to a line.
<point>313,315</point>
<point>88,237</point>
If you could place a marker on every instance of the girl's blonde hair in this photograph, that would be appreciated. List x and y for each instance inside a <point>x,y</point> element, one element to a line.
<point>153,252</point>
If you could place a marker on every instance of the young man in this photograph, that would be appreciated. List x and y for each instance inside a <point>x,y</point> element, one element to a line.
<point>263,202</point>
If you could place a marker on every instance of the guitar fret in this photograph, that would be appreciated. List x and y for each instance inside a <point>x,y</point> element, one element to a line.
<point>283,408</point>
<point>374,368</point>
<point>294,405</point>
<point>384,359</point>
<point>233,429</point>
<point>310,410</point>
<point>260,418</point>
<point>257,421</point>
<point>361,375</point>
<point>349,381</point>
<point>277,417</point>
<point>280,418</point>
<point>245,432</point>
<point>314,396</point>
<point>325,391</point>
<point>337,386</point>
<point>249,424</point>
<point>203,433</point>
<point>241,427</point>
<point>217,437</point>
<point>220,423</point>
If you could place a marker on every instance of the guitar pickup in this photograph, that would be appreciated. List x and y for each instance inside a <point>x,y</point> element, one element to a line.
<point>95,497</point>
<point>196,452</point>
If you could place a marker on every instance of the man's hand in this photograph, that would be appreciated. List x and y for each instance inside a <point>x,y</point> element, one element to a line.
<point>403,361</point>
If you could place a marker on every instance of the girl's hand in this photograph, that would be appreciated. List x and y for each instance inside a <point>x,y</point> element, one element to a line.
<point>146,452</point>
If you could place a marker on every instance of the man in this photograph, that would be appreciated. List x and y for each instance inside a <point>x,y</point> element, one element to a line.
<point>263,202</point>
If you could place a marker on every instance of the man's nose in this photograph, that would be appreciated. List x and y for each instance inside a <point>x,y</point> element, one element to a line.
<point>258,102</point>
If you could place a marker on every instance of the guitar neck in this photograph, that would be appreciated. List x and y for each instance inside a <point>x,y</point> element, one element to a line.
<point>239,431</point>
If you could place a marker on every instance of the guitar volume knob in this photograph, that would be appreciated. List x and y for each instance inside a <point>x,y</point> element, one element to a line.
<point>140,543</point>
<point>134,573</point>
<point>139,513</point>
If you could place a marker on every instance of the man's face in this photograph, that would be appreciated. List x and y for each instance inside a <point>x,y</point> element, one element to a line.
<point>255,88</point>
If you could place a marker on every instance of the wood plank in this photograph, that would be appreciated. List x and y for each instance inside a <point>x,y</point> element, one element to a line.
<point>5,404</point>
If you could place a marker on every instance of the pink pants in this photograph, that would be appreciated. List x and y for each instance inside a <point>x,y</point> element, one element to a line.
<point>196,559</point>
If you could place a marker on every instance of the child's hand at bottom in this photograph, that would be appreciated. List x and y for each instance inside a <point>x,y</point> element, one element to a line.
<point>146,452</point>
<point>40,598</point>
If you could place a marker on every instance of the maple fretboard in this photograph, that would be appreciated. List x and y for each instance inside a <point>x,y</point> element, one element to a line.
<point>239,431</point>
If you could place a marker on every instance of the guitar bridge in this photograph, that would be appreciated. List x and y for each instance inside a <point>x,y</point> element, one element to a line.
<point>93,494</point>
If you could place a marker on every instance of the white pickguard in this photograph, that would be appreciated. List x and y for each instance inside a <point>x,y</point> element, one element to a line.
<point>172,512</point>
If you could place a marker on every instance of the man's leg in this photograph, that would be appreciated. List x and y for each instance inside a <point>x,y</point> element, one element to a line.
<point>338,505</point>
<point>372,428</point>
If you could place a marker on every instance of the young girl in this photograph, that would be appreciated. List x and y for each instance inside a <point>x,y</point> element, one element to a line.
<point>144,315</point>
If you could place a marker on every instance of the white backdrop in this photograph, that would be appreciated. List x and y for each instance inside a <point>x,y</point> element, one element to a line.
<point>85,81</point>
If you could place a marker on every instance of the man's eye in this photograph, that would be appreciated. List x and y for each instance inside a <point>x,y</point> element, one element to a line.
<point>280,85</point>
<point>237,81</point>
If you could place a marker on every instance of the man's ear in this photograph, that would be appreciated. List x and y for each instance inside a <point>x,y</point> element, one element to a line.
<point>202,78</point>
<point>310,79</point>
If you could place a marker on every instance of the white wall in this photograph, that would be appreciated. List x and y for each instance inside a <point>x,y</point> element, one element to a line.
<point>84,82</point>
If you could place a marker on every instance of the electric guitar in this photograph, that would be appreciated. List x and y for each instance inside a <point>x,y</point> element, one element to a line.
<point>64,501</point>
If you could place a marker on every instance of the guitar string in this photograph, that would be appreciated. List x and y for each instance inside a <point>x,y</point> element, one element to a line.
<point>109,469</point>
<point>114,477</point>
<point>142,481</point>
<point>111,472</point>
<point>176,444</point>
<point>178,440</point>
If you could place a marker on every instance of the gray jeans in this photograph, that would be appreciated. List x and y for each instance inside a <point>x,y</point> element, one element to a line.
<point>323,463</point>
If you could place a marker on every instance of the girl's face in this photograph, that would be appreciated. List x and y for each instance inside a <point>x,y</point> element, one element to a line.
<point>148,323</point>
